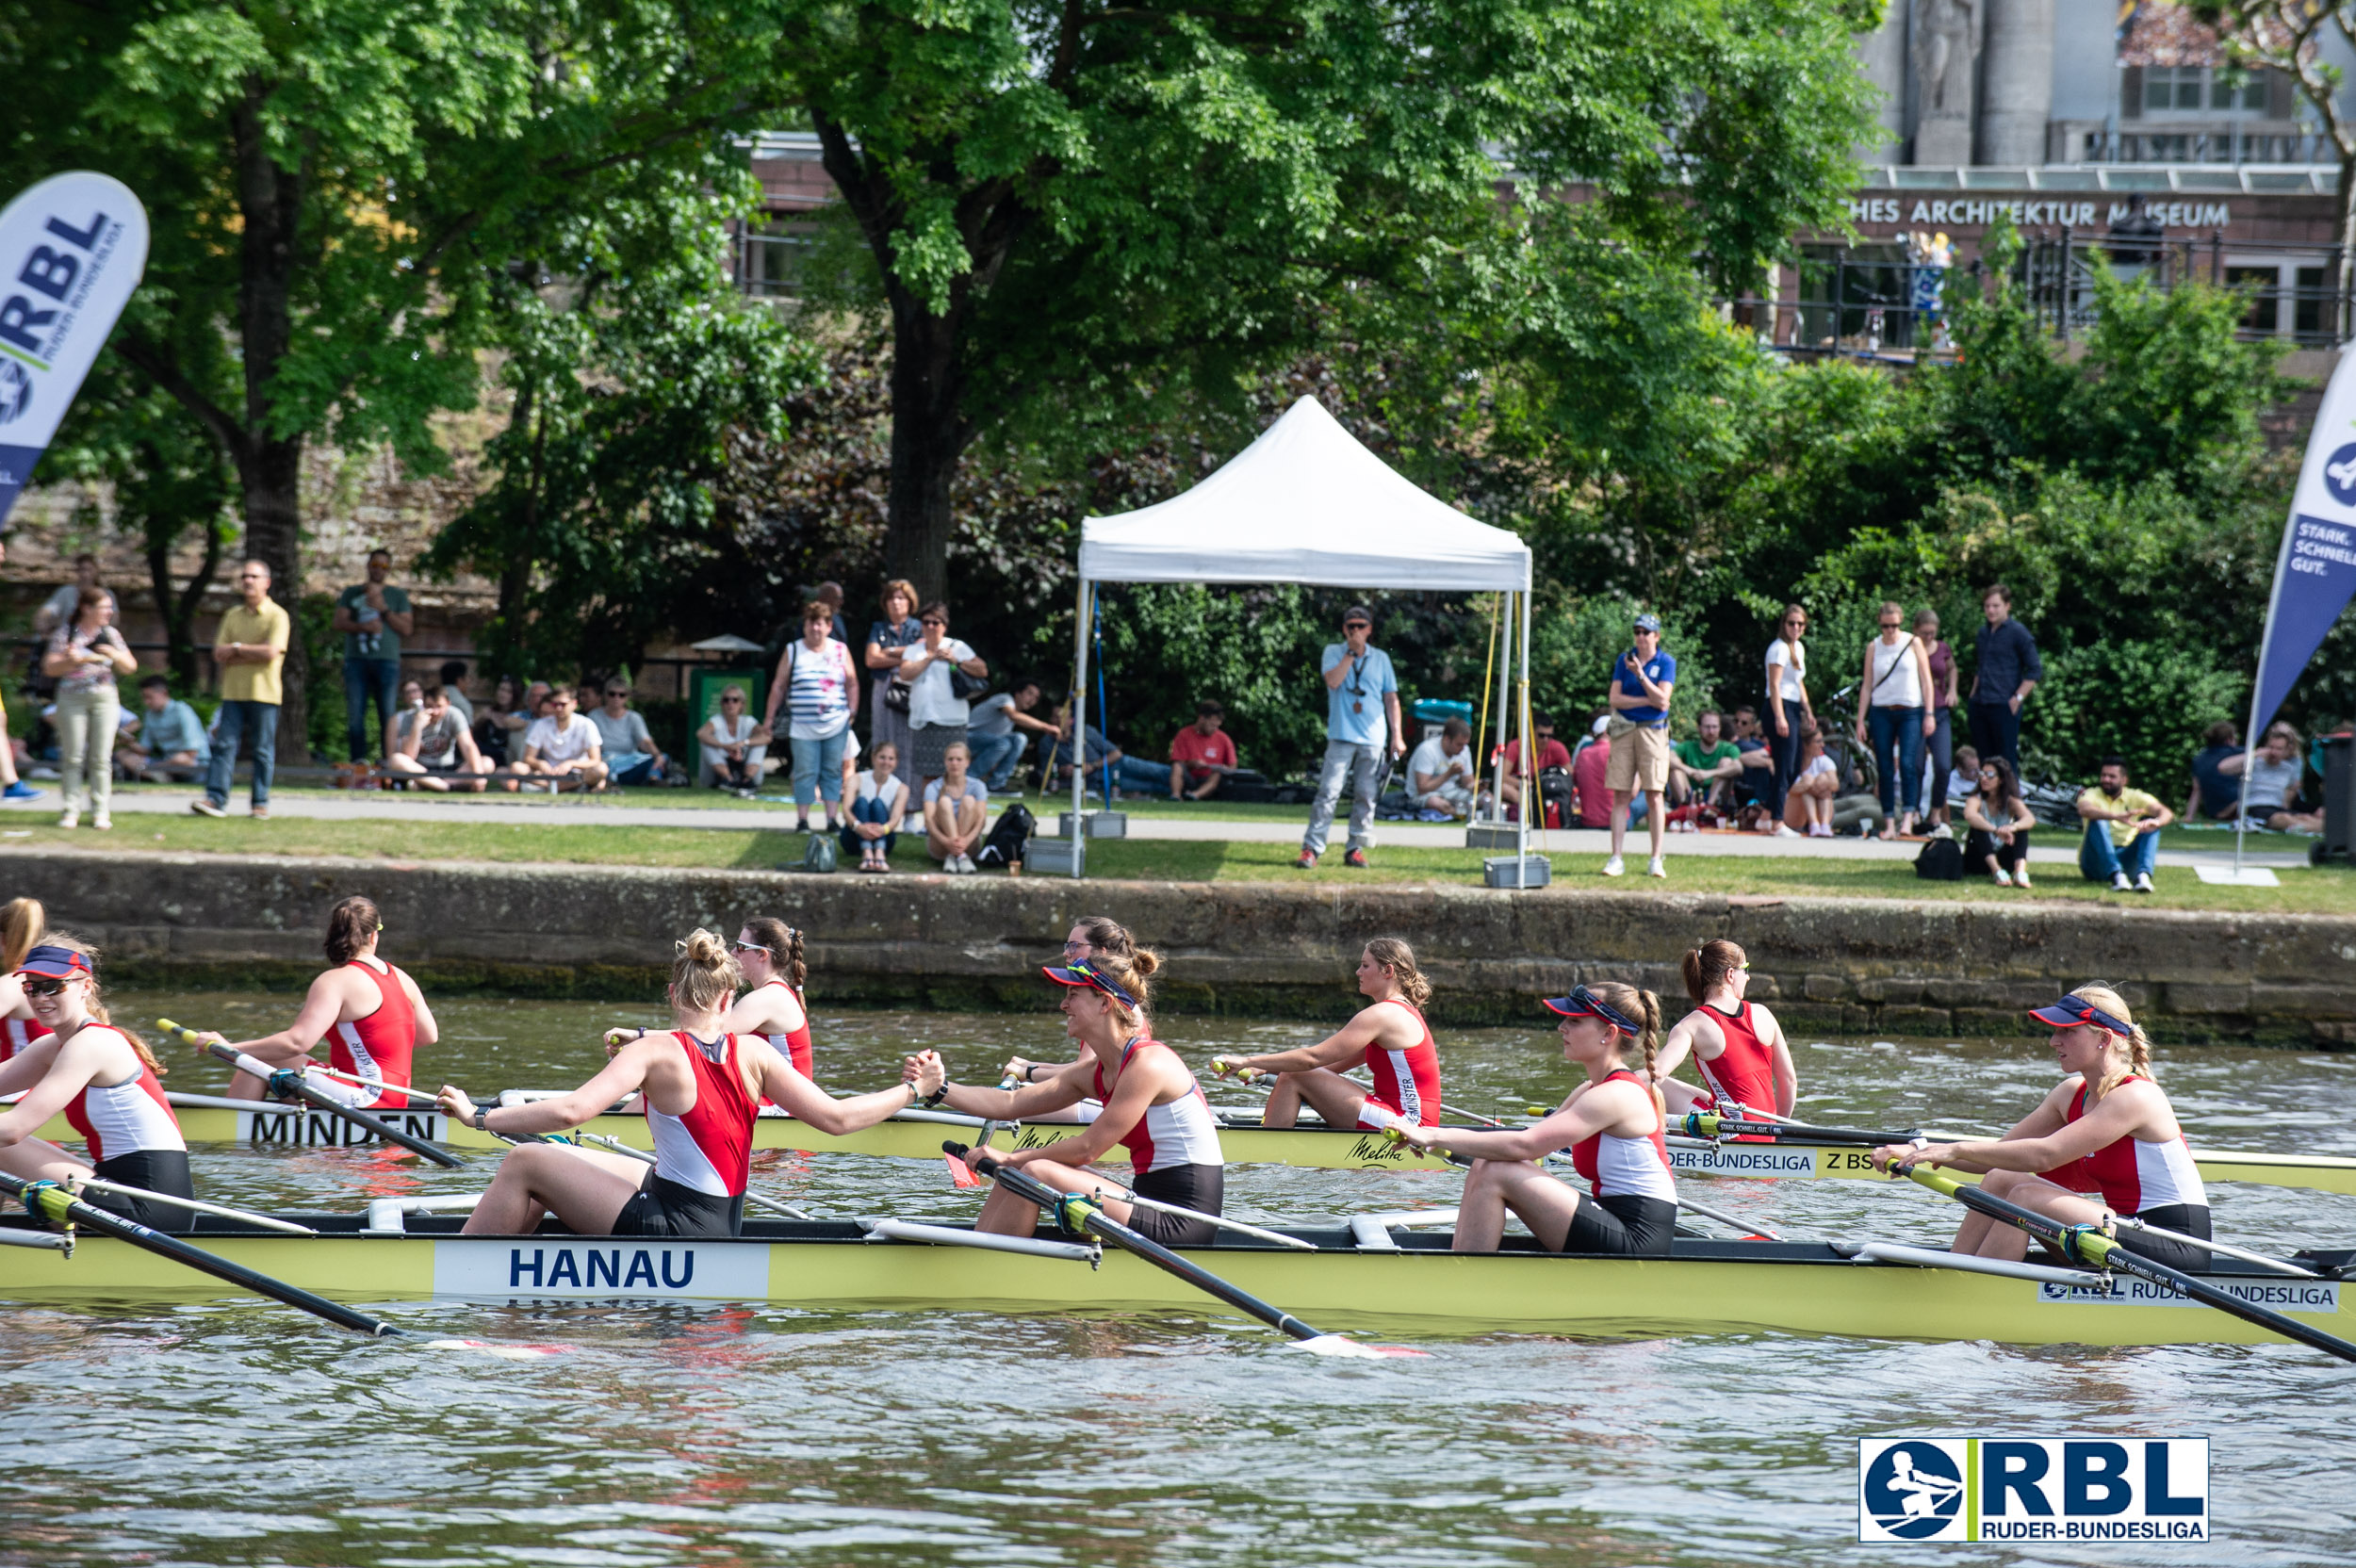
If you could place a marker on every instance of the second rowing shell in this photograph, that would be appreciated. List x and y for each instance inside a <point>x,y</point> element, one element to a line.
<point>918,1135</point>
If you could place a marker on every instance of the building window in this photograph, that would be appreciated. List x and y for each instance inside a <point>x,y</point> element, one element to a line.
<point>2200,89</point>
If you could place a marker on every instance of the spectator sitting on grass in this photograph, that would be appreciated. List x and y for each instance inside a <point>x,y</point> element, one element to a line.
<point>1964,777</point>
<point>436,750</point>
<point>1551,754</point>
<point>1807,799</point>
<point>2275,776</point>
<point>956,812</point>
<point>624,743</point>
<point>564,748</point>
<point>872,824</point>
<point>1440,776</point>
<point>1590,766</point>
<point>2122,837</point>
<point>734,745</point>
<point>999,729</point>
<point>403,718</point>
<point>2216,795</point>
<point>1099,756</point>
<point>171,744</point>
<point>1706,767</point>
<point>453,673</point>
<point>1203,754</point>
<point>2000,822</point>
<point>499,729</point>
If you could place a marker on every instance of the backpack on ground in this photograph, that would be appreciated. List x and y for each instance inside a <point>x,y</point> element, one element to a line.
<point>821,853</point>
<point>1942,860</point>
<point>1009,839</point>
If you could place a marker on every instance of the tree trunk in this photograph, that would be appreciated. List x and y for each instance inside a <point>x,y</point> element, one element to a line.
<point>2344,275</point>
<point>178,611</point>
<point>273,534</point>
<point>928,435</point>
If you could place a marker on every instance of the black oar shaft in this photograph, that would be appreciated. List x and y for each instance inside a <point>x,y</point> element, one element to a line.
<point>1097,1222</point>
<point>58,1205</point>
<point>1703,1124</point>
<point>292,1083</point>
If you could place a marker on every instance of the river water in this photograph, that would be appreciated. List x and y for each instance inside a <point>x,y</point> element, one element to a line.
<point>241,1433</point>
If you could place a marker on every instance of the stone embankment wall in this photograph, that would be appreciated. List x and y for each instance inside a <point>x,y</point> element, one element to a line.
<point>1957,970</point>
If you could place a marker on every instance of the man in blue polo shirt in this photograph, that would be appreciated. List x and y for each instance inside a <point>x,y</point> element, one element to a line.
<point>1642,682</point>
<point>1361,717</point>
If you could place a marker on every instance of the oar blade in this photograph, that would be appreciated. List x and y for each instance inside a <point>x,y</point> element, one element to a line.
<point>958,1175</point>
<point>498,1351</point>
<point>1349,1349</point>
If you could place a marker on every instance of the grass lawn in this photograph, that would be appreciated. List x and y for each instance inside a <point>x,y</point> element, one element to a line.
<point>2304,890</point>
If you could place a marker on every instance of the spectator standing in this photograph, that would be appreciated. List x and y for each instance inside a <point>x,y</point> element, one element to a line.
<point>819,690</point>
<point>2122,837</point>
<point>871,821</point>
<point>1897,683</point>
<point>1807,799</point>
<point>169,744</point>
<point>997,729</point>
<point>435,750</point>
<point>625,744</point>
<point>453,673</point>
<point>1551,753</point>
<point>2275,776</point>
<point>735,747</point>
<point>1361,715</point>
<point>84,656</point>
<point>2215,797</point>
<point>830,595</point>
<point>58,607</point>
<point>2004,670</point>
<point>957,809</point>
<point>374,617</point>
<point>1440,772</point>
<point>562,747</point>
<point>1945,683</point>
<point>1643,682</point>
<point>1788,710</point>
<point>1203,754</point>
<point>249,651</point>
<point>937,713</point>
<point>897,629</point>
<point>2000,822</point>
<point>1706,767</point>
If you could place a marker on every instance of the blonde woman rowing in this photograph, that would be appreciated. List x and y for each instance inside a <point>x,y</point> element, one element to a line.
<point>1390,1038</point>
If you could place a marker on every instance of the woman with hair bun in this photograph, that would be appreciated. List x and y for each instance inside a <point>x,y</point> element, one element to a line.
<point>1390,1037</point>
<point>1613,1125</point>
<point>2105,1132</point>
<point>1089,935</point>
<point>700,1085</point>
<point>770,953</point>
<point>1737,1047</point>
<point>371,1015</point>
<point>22,921</point>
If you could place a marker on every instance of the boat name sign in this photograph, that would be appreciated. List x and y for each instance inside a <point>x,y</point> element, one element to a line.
<point>621,1266</point>
<point>2321,1297</point>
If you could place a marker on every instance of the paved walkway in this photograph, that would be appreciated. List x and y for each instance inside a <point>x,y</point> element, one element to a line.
<point>617,813</point>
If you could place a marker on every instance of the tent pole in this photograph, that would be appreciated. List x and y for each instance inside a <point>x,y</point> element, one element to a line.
<point>1505,717</point>
<point>1529,776</point>
<point>1076,741</point>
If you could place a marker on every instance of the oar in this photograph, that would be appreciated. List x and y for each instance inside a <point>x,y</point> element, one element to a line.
<point>1075,1214</point>
<point>1251,1076</point>
<point>268,1222</point>
<point>287,1081</point>
<point>960,1172</point>
<point>1703,1124</point>
<point>1129,1195</point>
<point>618,1147</point>
<point>2131,1224</point>
<point>2087,1245</point>
<point>1747,1227</point>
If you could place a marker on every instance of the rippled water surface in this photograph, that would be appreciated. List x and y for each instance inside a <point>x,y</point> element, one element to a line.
<point>241,1433</point>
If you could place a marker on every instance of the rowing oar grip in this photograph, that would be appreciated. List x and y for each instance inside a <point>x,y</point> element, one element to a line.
<point>1398,1138</point>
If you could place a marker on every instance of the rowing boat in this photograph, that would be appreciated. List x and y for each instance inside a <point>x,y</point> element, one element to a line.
<point>1359,1278</point>
<point>917,1133</point>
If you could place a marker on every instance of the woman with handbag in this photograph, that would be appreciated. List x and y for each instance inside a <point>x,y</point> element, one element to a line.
<point>943,676</point>
<point>815,683</point>
<point>1896,681</point>
<point>897,629</point>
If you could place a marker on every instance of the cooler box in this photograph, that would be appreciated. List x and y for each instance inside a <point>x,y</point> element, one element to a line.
<point>1099,824</point>
<point>1498,872</point>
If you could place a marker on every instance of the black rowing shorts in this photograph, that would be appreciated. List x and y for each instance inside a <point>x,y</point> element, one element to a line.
<point>1200,1187</point>
<point>663,1207</point>
<point>163,1171</point>
<point>2186,1217</point>
<point>1623,1223</point>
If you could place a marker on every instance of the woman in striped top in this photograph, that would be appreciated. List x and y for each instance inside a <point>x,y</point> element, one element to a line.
<point>820,691</point>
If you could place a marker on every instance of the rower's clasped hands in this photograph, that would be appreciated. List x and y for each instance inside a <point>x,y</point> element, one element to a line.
<point>1892,1155</point>
<point>454,1104</point>
<point>925,1071</point>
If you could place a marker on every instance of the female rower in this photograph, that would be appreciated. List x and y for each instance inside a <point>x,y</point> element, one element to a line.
<point>770,953</point>
<point>2106,1128</point>
<point>22,922</point>
<point>1088,936</point>
<point>1389,1036</point>
<point>106,1081</point>
<point>699,1085</point>
<point>1613,1125</point>
<point>371,1014</point>
<point>1153,1106</point>
<point>1737,1047</point>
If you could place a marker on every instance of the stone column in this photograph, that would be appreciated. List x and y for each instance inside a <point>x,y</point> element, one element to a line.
<point>1945,47</point>
<point>2016,95</point>
<point>1881,56</point>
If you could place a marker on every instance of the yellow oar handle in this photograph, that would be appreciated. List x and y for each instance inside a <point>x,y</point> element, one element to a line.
<point>1395,1135</point>
<point>1929,1176</point>
<point>1222,1066</point>
<point>180,1031</point>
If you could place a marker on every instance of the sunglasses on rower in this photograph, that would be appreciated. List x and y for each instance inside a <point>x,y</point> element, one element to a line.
<point>42,985</point>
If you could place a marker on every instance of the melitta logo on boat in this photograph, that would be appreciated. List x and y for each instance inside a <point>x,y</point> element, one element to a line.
<point>1744,1159</point>
<point>2321,1297</point>
<point>317,1130</point>
<point>1378,1150</point>
<point>601,1267</point>
<point>2065,1489</point>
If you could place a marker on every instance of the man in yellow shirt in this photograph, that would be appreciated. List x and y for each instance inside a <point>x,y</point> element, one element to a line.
<point>2122,841</point>
<point>250,650</point>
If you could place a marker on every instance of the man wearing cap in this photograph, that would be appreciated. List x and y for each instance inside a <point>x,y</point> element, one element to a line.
<point>1361,717</point>
<point>1642,682</point>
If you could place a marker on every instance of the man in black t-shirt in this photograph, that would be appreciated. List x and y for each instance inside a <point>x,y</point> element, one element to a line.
<point>2214,797</point>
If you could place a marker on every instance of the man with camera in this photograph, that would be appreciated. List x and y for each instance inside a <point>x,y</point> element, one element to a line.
<point>1360,718</point>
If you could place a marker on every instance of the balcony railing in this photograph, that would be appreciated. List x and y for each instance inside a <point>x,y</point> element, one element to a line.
<point>2212,144</point>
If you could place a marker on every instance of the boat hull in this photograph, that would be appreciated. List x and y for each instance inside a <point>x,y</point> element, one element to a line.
<point>1708,1287</point>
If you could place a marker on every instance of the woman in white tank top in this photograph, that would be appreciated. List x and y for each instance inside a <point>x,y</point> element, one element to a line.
<point>1895,686</point>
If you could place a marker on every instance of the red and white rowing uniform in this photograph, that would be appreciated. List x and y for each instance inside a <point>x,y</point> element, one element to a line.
<point>1627,1168</point>
<point>1181,1133</point>
<point>1744,1072</point>
<point>1406,1083</point>
<point>377,1048</point>
<point>18,1033</point>
<point>794,1045</point>
<point>710,1150</point>
<point>129,1117</point>
<point>2133,1174</point>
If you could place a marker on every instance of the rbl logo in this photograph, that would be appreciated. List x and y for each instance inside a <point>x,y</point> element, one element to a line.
<point>48,273</point>
<point>2070,1489</point>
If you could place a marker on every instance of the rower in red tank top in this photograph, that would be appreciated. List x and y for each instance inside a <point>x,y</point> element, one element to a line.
<point>22,922</point>
<point>18,1033</point>
<point>1738,1048</point>
<point>370,1012</point>
<point>376,1047</point>
<point>770,953</point>
<point>1392,1040</point>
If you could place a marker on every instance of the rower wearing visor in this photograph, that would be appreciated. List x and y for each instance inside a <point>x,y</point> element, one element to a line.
<point>1613,1125</point>
<point>1153,1107</point>
<point>106,1081</point>
<point>1389,1037</point>
<point>2106,1133</point>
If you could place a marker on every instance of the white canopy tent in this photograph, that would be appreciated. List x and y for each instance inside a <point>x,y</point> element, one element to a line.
<point>1304,504</point>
